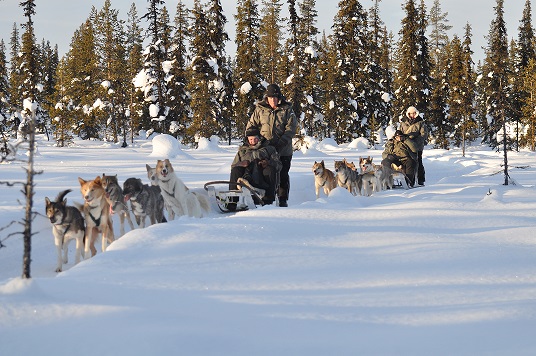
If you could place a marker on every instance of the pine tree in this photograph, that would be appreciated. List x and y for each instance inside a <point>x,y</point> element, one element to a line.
<point>247,72</point>
<point>204,120</point>
<point>152,80</point>
<point>438,35</point>
<point>133,48</point>
<point>308,68</point>
<point>379,77</point>
<point>327,125</point>
<point>467,130</point>
<point>496,74</point>
<point>222,86</point>
<point>351,41</point>
<point>30,73</point>
<point>4,93</point>
<point>270,45</point>
<point>412,81</point>
<point>110,49</point>
<point>525,52</point>
<point>179,113</point>
<point>15,75</point>
<point>528,111</point>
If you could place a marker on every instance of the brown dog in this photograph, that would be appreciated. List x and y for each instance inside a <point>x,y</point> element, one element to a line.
<point>97,214</point>
<point>324,178</point>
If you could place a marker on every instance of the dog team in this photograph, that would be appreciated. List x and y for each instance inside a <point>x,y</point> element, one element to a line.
<point>363,179</point>
<point>104,198</point>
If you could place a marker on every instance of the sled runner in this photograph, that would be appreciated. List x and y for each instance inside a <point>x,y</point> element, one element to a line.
<point>227,200</point>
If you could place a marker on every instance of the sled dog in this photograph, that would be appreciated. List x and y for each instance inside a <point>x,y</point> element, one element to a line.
<point>347,177</point>
<point>145,200</point>
<point>115,198</point>
<point>67,224</point>
<point>97,215</point>
<point>370,178</point>
<point>324,178</point>
<point>182,200</point>
<point>151,174</point>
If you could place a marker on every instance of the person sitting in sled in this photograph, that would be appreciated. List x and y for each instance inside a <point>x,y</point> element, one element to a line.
<point>398,152</point>
<point>257,163</point>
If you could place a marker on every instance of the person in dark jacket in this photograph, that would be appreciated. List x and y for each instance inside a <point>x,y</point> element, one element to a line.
<point>277,123</point>
<point>417,135</point>
<point>398,152</point>
<point>258,163</point>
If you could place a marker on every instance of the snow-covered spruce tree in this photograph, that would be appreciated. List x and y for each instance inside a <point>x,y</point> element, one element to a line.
<point>15,77</point>
<point>179,99</point>
<point>49,60</point>
<point>379,77</point>
<point>114,82</point>
<point>29,71</point>
<point>351,40</point>
<point>495,78</point>
<point>330,87</point>
<point>412,80</point>
<point>62,122</point>
<point>80,79</point>
<point>203,69</point>
<point>152,80</point>
<point>522,99</point>
<point>308,69</point>
<point>270,41</point>
<point>528,112</point>
<point>247,72</point>
<point>222,86</point>
<point>5,126</point>
<point>134,47</point>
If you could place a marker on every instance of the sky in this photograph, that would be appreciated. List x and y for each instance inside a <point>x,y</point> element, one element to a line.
<point>56,20</point>
<point>445,269</point>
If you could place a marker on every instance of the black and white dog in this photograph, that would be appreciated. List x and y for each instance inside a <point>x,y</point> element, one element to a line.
<point>145,201</point>
<point>67,224</point>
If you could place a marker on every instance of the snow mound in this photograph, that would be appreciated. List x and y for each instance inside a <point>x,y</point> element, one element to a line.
<point>166,146</point>
<point>359,143</point>
<point>209,144</point>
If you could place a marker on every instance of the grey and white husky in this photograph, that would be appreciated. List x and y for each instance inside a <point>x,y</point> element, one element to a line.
<point>67,224</point>
<point>114,196</point>
<point>145,201</point>
<point>347,177</point>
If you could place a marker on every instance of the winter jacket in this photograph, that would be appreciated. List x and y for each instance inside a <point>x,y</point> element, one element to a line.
<point>399,149</point>
<point>416,132</point>
<point>262,150</point>
<point>277,126</point>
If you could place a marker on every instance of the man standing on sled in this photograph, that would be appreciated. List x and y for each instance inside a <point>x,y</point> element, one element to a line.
<point>256,164</point>
<point>417,135</point>
<point>277,122</point>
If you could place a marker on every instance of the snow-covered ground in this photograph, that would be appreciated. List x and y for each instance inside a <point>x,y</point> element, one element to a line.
<point>447,269</point>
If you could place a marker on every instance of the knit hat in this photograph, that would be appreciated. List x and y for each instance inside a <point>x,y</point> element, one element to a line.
<point>272,91</point>
<point>253,131</point>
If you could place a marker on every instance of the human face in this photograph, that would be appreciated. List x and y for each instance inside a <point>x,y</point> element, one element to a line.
<point>253,140</point>
<point>273,101</point>
<point>412,114</point>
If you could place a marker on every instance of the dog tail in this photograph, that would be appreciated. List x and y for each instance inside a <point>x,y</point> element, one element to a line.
<point>62,195</point>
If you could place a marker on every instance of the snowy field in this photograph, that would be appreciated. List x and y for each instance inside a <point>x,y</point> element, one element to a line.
<point>446,269</point>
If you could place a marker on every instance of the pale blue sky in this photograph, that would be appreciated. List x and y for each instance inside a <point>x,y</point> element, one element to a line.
<point>56,20</point>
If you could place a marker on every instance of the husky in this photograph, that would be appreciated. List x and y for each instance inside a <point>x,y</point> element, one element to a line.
<point>371,182</point>
<point>324,178</point>
<point>145,200</point>
<point>347,177</point>
<point>97,215</point>
<point>115,198</point>
<point>67,224</point>
<point>151,174</point>
<point>181,199</point>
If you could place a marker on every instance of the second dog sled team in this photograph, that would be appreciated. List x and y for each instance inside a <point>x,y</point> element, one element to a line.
<point>262,163</point>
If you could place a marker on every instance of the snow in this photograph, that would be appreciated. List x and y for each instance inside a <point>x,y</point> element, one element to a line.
<point>446,269</point>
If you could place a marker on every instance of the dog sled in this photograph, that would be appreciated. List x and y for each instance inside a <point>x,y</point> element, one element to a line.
<point>228,200</point>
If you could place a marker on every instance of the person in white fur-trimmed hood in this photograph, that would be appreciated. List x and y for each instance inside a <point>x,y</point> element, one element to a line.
<point>416,132</point>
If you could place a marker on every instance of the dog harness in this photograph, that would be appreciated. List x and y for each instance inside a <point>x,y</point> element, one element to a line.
<point>95,220</point>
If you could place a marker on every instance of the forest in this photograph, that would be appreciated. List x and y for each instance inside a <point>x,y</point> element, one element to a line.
<point>152,73</point>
